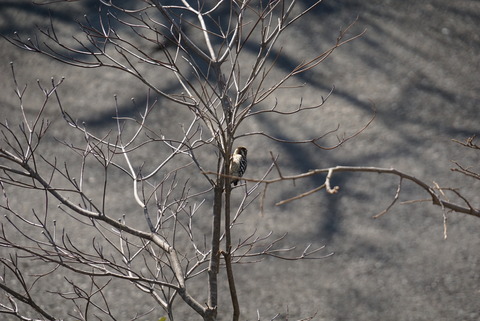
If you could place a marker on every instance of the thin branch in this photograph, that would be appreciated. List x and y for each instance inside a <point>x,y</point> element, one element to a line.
<point>395,199</point>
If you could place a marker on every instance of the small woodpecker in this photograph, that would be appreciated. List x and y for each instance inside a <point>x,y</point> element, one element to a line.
<point>238,163</point>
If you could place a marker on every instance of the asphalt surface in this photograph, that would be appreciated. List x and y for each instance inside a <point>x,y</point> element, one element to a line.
<point>418,63</point>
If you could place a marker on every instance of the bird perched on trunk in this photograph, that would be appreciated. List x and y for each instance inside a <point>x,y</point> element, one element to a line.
<point>238,163</point>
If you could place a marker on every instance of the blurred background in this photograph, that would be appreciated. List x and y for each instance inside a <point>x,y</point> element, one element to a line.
<point>418,64</point>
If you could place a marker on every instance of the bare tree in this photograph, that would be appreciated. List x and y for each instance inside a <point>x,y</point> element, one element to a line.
<point>201,46</point>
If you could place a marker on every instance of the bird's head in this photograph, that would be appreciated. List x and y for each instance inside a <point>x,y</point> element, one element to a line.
<point>241,150</point>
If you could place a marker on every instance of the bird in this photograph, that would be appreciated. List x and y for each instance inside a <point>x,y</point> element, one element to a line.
<point>238,163</point>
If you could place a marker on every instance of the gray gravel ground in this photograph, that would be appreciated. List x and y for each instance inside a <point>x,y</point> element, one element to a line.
<point>419,63</point>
